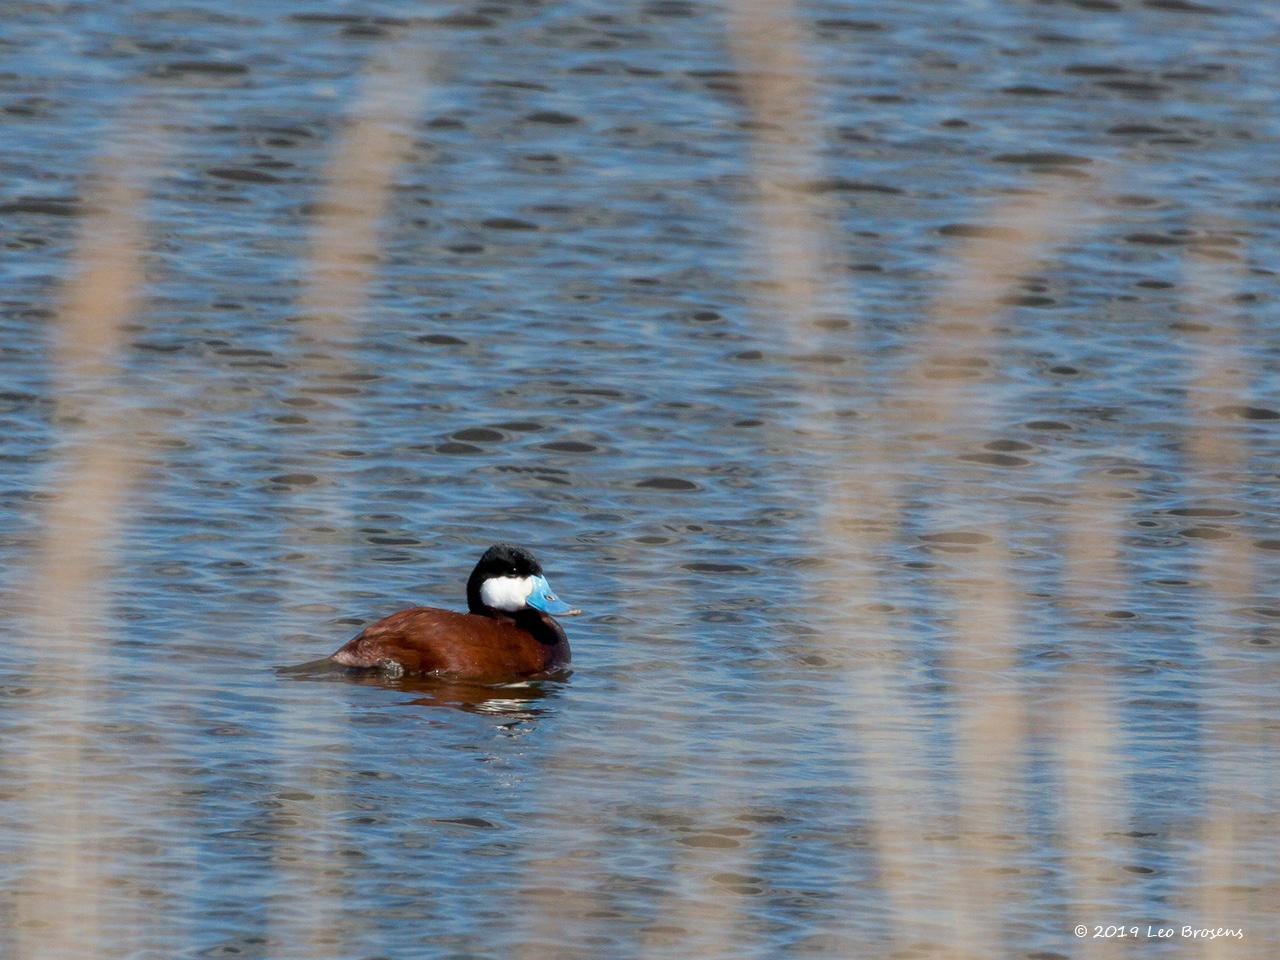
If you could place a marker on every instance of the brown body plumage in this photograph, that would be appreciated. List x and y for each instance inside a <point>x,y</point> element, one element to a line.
<point>425,640</point>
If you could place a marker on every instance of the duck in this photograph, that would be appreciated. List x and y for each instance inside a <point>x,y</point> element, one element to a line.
<point>509,631</point>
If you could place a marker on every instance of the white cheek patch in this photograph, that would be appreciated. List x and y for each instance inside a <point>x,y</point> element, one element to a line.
<point>506,593</point>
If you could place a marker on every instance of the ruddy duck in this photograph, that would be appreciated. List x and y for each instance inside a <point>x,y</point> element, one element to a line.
<point>509,632</point>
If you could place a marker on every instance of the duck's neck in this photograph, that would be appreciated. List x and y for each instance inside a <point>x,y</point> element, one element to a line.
<point>474,603</point>
<point>542,626</point>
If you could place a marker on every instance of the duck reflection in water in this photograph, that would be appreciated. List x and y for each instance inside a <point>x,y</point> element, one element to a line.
<point>518,701</point>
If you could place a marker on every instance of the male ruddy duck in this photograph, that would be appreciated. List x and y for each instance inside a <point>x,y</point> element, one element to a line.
<point>509,632</point>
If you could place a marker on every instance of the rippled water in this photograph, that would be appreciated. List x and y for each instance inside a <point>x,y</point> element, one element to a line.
<point>1034,686</point>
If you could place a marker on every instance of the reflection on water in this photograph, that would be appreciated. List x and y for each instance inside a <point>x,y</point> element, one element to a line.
<point>912,451</point>
<point>518,700</point>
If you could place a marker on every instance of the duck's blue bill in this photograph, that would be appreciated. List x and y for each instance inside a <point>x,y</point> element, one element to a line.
<point>543,599</point>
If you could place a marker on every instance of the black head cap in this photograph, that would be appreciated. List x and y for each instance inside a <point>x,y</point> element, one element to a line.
<point>500,560</point>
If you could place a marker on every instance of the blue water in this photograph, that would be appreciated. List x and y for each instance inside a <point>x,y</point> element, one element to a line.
<point>1031,685</point>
